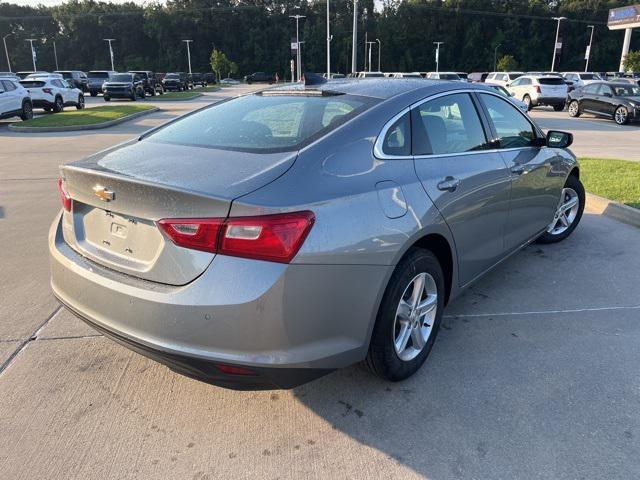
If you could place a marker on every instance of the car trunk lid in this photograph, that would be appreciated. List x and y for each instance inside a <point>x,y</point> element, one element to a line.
<point>119,195</point>
<point>553,87</point>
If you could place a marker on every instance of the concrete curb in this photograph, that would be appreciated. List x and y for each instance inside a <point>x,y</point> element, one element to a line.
<point>77,128</point>
<point>158,98</point>
<point>615,210</point>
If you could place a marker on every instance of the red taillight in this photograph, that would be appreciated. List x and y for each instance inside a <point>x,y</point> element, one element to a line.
<point>234,369</point>
<point>64,195</point>
<point>537,87</point>
<point>275,238</point>
<point>47,90</point>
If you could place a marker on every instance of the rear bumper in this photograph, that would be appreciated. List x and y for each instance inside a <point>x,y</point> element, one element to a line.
<point>41,103</point>
<point>551,101</point>
<point>287,323</point>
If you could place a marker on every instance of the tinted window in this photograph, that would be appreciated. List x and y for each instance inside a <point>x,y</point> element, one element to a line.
<point>449,76</point>
<point>32,83</point>
<point>604,89</point>
<point>551,81</point>
<point>8,85</point>
<point>447,124</point>
<point>592,89</point>
<point>513,76</point>
<point>98,75</point>
<point>172,75</point>
<point>626,90</point>
<point>512,128</point>
<point>122,77</point>
<point>397,141</point>
<point>262,124</point>
<point>590,76</point>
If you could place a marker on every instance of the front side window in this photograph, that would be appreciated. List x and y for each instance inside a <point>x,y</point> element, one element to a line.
<point>397,140</point>
<point>448,124</point>
<point>263,123</point>
<point>604,90</point>
<point>592,89</point>
<point>512,128</point>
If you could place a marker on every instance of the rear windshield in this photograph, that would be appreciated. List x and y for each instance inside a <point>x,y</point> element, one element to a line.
<point>263,124</point>
<point>551,81</point>
<point>590,76</point>
<point>32,83</point>
<point>172,75</point>
<point>513,76</point>
<point>449,76</point>
<point>98,75</point>
<point>123,77</point>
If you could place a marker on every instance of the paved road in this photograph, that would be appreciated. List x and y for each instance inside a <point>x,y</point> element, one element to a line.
<point>593,136</point>
<point>534,374</point>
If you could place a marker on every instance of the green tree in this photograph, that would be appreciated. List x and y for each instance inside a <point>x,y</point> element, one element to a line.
<point>219,62</point>
<point>632,62</point>
<point>507,63</point>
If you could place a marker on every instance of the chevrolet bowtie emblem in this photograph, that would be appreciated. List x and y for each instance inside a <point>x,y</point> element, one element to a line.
<point>103,194</point>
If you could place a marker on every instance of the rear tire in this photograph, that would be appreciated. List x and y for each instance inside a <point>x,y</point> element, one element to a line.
<point>94,94</point>
<point>558,108</point>
<point>80,104</point>
<point>386,357</point>
<point>27,110</point>
<point>574,109</point>
<point>527,100</point>
<point>107,98</point>
<point>566,219</point>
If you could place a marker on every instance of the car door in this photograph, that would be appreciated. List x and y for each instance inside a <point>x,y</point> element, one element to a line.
<point>605,102</point>
<point>587,97</point>
<point>4,99</point>
<point>12,98</point>
<point>467,182</point>
<point>535,188</point>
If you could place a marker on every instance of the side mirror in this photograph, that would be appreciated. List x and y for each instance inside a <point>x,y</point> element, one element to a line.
<point>556,139</point>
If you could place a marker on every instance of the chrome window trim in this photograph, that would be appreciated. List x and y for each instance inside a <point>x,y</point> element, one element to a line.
<point>379,153</point>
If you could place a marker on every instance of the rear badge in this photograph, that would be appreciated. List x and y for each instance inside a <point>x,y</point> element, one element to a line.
<point>103,194</point>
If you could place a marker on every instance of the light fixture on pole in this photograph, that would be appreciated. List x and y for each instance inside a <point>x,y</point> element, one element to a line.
<point>298,56</point>
<point>555,46</point>
<point>370,48</point>
<point>588,53</point>
<point>354,43</point>
<point>437,44</point>
<point>495,57</point>
<point>6,51</point>
<point>55,54</point>
<point>110,50</point>
<point>188,54</point>
<point>33,52</point>
<point>379,50</point>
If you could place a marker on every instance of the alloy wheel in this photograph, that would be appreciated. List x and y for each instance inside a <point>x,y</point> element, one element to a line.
<point>415,316</point>
<point>573,109</point>
<point>566,212</point>
<point>621,115</point>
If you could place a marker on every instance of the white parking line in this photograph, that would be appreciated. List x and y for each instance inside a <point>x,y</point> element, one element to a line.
<point>543,312</point>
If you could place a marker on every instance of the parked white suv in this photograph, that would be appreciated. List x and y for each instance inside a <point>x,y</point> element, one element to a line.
<point>580,79</point>
<point>52,92</point>
<point>502,78</point>
<point>14,99</point>
<point>535,90</point>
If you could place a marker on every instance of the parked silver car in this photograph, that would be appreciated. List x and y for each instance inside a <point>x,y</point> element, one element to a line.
<point>266,240</point>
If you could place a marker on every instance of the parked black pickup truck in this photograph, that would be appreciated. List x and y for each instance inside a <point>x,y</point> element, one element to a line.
<point>151,86</point>
<point>198,79</point>
<point>123,85</point>
<point>260,77</point>
<point>176,81</point>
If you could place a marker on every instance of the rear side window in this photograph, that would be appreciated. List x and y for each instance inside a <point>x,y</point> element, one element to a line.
<point>512,128</point>
<point>397,140</point>
<point>592,89</point>
<point>551,81</point>
<point>448,124</point>
<point>263,123</point>
<point>8,85</point>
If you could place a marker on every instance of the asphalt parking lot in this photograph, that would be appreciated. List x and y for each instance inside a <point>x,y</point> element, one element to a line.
<point>534,373</point>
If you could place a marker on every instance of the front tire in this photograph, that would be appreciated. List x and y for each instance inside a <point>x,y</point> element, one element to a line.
<point>527,100</point>
<point>568,213</point>
<point>80,104</point>
<point>621,115</point>
<point>409,317</point>
<point>574,109</point>
<point>58,105</point>
<point>107,98</point>
<point>27,110</point>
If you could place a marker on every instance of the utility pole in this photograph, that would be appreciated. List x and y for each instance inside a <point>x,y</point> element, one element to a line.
<point>6,51</point>
<point>329,37</point>
<point>379,50</point>
<point>437,44</point>
<point>55,54</point>
<point>298,56</point>
<point>370,47</point>
<point>110,50</point>
<point>354,44</point>
<point>555,46</point>
<point>495,57</point>
<point>33,52</point>
<point>366,36</point>
<point>188,53</point>
<point>588,54</point>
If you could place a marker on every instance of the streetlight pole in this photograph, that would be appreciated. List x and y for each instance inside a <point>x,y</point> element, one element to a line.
<point>55,54</point>
<point>329,37</point>
<point>495,57</point>
<point>188,53</point>
<point>354,44</point>
<point>298,17</point>
<point>110,50</point>
<point>437,44</point>
<point>588,55</point>
<point>6,51</point>
<point>33,52</point>
<point>370,47</point>
<point>555,45</point>
<point>379,50</point>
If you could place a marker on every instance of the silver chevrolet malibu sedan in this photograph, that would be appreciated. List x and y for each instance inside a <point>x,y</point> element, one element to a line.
<point>266,240</point>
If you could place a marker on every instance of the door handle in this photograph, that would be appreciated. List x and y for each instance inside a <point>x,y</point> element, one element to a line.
<point>449,184</point>
<point>518,169</point>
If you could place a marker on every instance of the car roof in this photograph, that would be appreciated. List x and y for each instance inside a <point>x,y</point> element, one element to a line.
<point>380,88</point>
